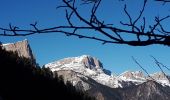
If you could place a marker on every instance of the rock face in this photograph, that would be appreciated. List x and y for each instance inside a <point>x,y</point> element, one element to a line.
<point>22,48</point>
<point>85,83</point>
<point>91,62</point>
<point>75,78</point>
<point>149,90</point>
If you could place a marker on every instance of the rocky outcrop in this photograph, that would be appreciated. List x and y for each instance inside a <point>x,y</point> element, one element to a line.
<point>91,62</point>
<point>74,78</point>
<point>132,75</point>
<point>149,90</point>
<point>22,48</point>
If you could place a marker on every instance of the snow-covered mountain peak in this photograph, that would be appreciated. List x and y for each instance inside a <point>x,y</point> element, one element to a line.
<point>137,77</point>
<point>132,75</point>
<point>86,65</point>
<point>91,67</point>
<point>158,75</point>
<point>84,59</point>
<point>161,78</point>
<point>83,64</point>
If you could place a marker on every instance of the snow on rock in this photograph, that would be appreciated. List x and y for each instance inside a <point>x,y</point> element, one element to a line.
<point>83,64</point>
<point>86,65</point>
<point>161,78</point>
<point>93,68</point>
<point>128,76</point>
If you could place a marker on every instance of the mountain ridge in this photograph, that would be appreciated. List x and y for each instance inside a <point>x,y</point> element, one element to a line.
<point>130,85</point>
<point>96,71</point>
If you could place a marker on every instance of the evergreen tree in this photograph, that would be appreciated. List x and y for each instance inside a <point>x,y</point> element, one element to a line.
<point>21,80</point>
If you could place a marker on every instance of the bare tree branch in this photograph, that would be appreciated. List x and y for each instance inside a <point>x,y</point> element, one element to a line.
<point>154,34</point>
<point>142,67</point>
<point>160,65</point>
<point>165,1</point>
<point>157,63</point>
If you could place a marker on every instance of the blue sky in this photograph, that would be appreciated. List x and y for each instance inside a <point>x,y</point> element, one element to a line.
<point>55,46</point>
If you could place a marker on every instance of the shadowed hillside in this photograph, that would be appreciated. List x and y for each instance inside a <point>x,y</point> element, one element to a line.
<point>20,80</point>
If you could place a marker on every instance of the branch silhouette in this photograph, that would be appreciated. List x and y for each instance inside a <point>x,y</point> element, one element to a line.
<point>142,68</point>
<point>164,1</point>
<point>159,65</point>
<point>143,35</point>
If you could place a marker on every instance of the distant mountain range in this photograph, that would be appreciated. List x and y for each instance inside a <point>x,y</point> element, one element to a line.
<point>88,74</point>
<point>93,68</point>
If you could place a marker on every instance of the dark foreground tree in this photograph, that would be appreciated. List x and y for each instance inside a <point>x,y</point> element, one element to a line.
<point>141,32</point>
<point>20,80</point>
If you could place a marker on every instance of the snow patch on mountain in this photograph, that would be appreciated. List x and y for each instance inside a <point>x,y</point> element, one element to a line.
<point>88,66</point>
<point>93,68</point>
<point>161,78</point>
<point>136,77</point>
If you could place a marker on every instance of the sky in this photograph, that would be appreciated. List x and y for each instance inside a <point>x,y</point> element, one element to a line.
<point>54,46</point>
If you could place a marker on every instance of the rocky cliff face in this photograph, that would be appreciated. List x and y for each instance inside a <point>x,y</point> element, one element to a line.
<point>91,62</point>
<point>22,48</point>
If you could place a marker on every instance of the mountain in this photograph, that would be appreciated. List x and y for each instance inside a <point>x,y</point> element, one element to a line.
<point>88,74</point>
<point>87,66</point>
<point>149,90</point>
<point>93,68</point>
<point>79,64</point>
<point>22,48</point>
<point>161,78</point>
<point>136,77</point>
<point>85,83</point>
